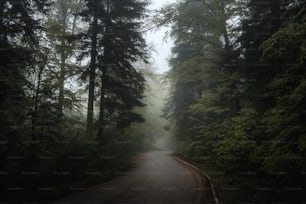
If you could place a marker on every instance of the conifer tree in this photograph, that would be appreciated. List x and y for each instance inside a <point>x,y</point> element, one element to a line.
<point>122,85</point>
<point>116,42</point>
<point>93,12</point>
<point>17,29</point>
<point>238,92</point>
<point>61,24</point>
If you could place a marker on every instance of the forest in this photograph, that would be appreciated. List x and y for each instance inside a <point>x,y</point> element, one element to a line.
<point>238,95</point>
<point>69,89</point>
<point>79,98</point>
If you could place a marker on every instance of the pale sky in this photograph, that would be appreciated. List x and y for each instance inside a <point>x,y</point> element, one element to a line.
<point>161,46</point>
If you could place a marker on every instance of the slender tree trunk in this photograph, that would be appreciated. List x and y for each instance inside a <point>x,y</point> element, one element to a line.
<point>62,67</point>
<point>102,105</point>
<point>225,33</point>
<point>1,19</point>
<point>226,40</point>
<point>75,17</point>
<point>77,8</point>
<point>61,91</point>
<point>34,136</point>
<point>3,31</point>
<point>36,99</point>
<point>106,62</point>
<point>92,76</point>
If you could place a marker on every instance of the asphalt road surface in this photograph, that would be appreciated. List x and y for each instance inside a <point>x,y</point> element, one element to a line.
<point>156,179</point>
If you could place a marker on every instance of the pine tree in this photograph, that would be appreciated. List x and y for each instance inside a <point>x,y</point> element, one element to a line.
<point>94,11</point>
<point>238,92</point>
<point>60,25</point>
<point>121,84</point>
<point>260,24</point>
<point>19,21</point>
<point>17,30</point>
<point>201,49</point>
<point>116,42</point>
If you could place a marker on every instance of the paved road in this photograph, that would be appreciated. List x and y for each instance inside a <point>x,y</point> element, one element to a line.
<point>156,179</point>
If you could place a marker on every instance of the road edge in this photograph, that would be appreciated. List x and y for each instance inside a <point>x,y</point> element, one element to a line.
<point>203,173</point>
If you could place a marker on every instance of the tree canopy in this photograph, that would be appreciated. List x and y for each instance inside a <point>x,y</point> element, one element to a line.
<point>237,97</point>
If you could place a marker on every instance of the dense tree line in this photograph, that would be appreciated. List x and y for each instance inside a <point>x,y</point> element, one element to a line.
<point>238,94</point>
<point>115,43</point>
<point>52,52</point>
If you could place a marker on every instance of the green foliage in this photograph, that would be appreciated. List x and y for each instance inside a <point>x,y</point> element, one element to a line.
<point>42,125</point>
<point>286,46</point>
<point>116,42</point>
<point>237,146</point>
<point>238,94</point>
<point>285,120</point>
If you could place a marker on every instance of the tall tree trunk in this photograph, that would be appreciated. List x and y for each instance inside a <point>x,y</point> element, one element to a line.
<point>62,67</point>
<point>75,17</point>
<point>3,30</point>
<point>107,56</point>
<point>61,91</point>
<point>102,104</point>
<point>225,32</point>
<point>226,40</point>
<point>1,19</point>
<point>92,75</point>
<point>36,100</point>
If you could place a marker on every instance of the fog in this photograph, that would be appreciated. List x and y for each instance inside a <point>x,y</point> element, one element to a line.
<point>156,94</point>
<point>155,129</point>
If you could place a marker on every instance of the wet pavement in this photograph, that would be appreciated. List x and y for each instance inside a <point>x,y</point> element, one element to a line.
<point>157,178</point>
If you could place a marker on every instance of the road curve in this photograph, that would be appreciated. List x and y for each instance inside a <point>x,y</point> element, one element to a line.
<point>156,179</point>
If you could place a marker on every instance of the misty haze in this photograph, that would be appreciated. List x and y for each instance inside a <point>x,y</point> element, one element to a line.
<point>153,101</point>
